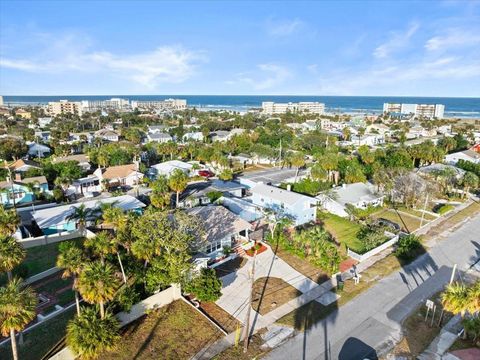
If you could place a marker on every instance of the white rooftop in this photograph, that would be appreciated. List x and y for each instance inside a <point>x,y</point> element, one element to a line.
<point>280,195</point>
<point>353,193</point>
<point>54,216</point>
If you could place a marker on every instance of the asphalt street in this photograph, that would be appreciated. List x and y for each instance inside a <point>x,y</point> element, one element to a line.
<point>368,325</point>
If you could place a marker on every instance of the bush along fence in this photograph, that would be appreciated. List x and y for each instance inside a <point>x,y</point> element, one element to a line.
<point>375,251</point>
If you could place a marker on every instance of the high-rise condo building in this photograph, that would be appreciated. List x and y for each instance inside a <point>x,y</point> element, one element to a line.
<point>424,110</point>
<point>167,104</point>
<point>116,104</point>
<point>270,107</point>
<point>64,107</point>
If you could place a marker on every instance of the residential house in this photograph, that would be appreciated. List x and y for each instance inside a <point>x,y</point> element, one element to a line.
<point>44,121</point>
<point>43,136</point>
<point>159,137</point>
<point>467,155</point>
<point>242,159</point>
<point>85,186</point>
<point>168,167</point>
<point>220,135</point>
<point>22,191</point>
<point>156,129</point>
<point>57,219</point>
<point>222,228</point>
<point>380,129</point>
<point>23,114</point>
<point>22,165</point>
<point>121,175</point>
<point>242,207</point>
<point>194,136</point>
<point>369,140</point>
<point>38,150</point>
<point>301,209</point>
<point>107,135</point>
<point>359,195</point>
<point>81,159</point>
<point>197,194</point>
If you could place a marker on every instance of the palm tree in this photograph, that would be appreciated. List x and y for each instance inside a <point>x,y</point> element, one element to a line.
<point>102,245</point>
<point>97,284</point>
<point>81,214</point>
<point>470,181</point>
<point>114,216</point>
<point>178,182</point>
<point>88,335</point>
<point>456,299</point>
<point>17,309</point>
<point>11,254</point>
<point>71,259</point>
<point>9,221</point>
<point>297,160</point>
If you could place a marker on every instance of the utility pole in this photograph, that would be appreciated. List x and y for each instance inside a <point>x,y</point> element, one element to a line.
<point>280,154</point>
<point>249,309</point>
<point>424,208</point>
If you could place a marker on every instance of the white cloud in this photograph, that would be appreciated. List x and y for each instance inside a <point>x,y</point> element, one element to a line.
<point>283,27</point>
<point>267,76</point>
<point>453,38</point>
<point>397,41</point>
<point>165,64</point>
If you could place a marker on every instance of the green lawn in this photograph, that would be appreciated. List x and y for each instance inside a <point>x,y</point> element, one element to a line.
<point>343,230</point>
<point>41,339</point>
<point>38,259</point>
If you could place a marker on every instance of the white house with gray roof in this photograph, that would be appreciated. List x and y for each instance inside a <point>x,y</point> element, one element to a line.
<point>300,208</point>
<point>222,228</point>
<point>359,195</point>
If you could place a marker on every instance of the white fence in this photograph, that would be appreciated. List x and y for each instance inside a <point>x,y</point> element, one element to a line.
<point>41,275</point>
<point>372,252</point>
<point>54,238</point>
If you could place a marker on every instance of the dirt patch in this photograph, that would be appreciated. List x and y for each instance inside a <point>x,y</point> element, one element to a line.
<point>254,350</point>
<point>270,293</point>
<point>230,266</point>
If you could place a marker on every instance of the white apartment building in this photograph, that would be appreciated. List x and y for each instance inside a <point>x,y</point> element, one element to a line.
<point>424,110</point>
<point>112,104</point>
<point>64,107</point>
<point>270,107</point>
<point>167,104</point>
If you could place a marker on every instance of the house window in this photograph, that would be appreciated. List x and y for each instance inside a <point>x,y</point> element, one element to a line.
<point>214,246</point>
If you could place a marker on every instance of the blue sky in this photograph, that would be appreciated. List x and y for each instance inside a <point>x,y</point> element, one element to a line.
<point>307,48</point>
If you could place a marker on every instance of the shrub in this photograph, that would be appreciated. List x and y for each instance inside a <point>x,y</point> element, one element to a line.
<point>371,236</point>
<point>214,195</point>
<point>407,246</point>
<point>227,250</point>
<point>206,287</point>
<point>362,214</point>
<point>443,209</point>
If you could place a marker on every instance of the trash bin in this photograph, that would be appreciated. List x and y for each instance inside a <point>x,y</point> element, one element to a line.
<point>340,285</point>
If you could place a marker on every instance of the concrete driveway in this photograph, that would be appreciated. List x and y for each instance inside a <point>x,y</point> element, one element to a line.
<point>236,286</point>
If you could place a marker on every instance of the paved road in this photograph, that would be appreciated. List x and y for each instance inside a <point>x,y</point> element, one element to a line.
<point>371,323</point>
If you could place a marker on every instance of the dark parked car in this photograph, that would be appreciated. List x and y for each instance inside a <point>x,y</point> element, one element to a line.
<point>388,223</point>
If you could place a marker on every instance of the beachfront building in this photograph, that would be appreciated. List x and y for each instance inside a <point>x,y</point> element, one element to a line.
<point>422,110</point>
<point>270,107</point>
<point>64,107</point>
<point>167,104</point>
<point>116,104</point>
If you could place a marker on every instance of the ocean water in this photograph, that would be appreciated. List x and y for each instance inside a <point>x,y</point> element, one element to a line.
<point>454,107</point>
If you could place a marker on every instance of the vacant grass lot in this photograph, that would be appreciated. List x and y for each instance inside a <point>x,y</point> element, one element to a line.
<point>408,223</point>
<point>343,230</point>
<point>175,332</point>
